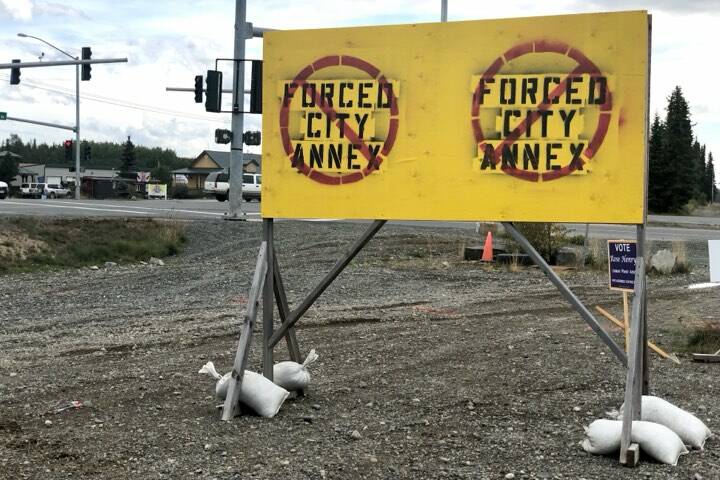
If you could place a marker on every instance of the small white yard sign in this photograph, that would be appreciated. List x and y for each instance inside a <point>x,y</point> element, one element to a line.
<point>714,251</point>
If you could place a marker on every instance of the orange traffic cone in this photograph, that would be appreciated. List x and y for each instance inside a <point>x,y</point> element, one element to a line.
<point>487,255</point>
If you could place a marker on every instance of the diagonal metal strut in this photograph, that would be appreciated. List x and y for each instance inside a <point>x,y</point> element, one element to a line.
<point>325,282</point>
<point>565,290</point>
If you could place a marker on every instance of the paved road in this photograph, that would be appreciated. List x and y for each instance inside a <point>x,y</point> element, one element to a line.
<point>207,209</point>
<point>178,209</point>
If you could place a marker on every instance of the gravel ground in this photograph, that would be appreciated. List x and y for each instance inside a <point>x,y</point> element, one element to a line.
<point>445,368</point>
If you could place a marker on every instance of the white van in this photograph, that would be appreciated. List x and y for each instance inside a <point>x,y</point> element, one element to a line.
<point>218,184</point>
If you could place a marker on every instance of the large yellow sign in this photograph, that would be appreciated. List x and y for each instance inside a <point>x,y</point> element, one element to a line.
<point>529,119</point>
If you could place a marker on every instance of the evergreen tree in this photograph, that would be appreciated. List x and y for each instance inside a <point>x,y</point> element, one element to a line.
<point>161,173</point>
<point>710,179</point>
<point>698,172</point>
<point>678,140</point>
<point>104,154</point>
<point>659,174</point>
<point>128,157</point>
<point>8,168</point>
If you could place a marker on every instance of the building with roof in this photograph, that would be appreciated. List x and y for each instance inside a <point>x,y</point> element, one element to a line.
<point>212,161</point>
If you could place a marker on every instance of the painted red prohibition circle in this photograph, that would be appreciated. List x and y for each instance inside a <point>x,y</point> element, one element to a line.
<point>352,136</point>
<point>585,66</point>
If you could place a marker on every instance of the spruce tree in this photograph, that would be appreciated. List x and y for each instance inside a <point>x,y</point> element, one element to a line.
<point>698,172</point>
<point>710,179</point>
<point>128,158</point>
<point>678,141</point>
<point>659,174</point>
<point>8,168</point>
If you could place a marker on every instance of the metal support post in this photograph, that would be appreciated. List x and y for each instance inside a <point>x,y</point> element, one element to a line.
<point>77,132</point>
<point>567,293</point>
<point>44,124</point>
<point>243,348</point>
<point>443,10</point>
<point>640,253</point>
<point>21,65</point>
<point>284,309</point>
<point>629,452</point>
<point>268,297</point>
<point>326,281</point>
<point>236,145</point>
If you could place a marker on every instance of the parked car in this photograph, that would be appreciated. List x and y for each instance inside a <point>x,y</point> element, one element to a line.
<point>4,190</point>
<point>218,184</point>
<point>30,190</point>
<point>53,190</point>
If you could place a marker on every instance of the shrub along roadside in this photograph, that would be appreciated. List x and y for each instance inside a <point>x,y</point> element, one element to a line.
<point>30,244</point>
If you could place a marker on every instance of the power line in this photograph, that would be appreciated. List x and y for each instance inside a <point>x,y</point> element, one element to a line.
<point>121,103</point>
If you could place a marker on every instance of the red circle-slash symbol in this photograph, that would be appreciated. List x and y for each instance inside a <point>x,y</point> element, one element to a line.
<point>585,66</point>
<point>373,163</point>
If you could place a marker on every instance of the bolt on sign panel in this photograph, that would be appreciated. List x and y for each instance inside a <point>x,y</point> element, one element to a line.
<point>526,119</point>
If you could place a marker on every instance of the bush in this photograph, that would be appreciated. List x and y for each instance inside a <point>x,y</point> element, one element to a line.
<point>180,191</point>
<point>547,238</point>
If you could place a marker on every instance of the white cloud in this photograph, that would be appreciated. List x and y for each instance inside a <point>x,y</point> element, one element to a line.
<point>17,9</point>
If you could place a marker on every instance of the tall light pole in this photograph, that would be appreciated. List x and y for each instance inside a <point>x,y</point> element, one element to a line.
<point>77,110</point>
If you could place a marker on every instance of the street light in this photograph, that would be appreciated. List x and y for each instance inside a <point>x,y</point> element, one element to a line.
<point>77,109</point>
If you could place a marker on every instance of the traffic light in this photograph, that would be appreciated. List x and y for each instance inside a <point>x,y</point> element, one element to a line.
<point>86,154</point>
<point>85,69</point>
<point>256,87</point>
<point>213,91</point>
<point>15,74</point>
<point>198,88</point>
<point>251,138</point>
<point>223,136</point>
<point>68,144</point>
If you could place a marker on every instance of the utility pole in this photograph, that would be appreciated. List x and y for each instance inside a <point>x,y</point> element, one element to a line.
<point>238,105</point>
<point>77,109</point>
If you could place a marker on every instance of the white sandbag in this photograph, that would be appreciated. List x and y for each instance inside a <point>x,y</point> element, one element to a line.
<point>262,395</point>
<point>257,392</point>
<point>689,428</point>
<point>292,375</point>
<point>657,441</point>
<point>602,437</point>
<point>221,386</point>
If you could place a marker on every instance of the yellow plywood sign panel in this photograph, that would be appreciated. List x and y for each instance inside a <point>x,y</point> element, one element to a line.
<point>528,119</point>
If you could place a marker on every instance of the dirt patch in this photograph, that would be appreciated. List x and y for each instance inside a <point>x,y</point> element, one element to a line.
<point>446,369</point>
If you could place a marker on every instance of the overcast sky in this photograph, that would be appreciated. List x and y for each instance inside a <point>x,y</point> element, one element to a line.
<point>169,42</point>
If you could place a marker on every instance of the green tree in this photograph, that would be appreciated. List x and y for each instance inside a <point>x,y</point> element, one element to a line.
<point>698,172</point>
<point>8,168</point>
<point>104,154</point>
<point>128,157</point>
<point>161,173</point>
<point>678,141</point>
<point>710,179</point>
<point>659,174</point>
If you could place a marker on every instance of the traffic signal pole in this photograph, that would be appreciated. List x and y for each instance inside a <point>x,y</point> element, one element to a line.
<point>77,62</point>
<point>236,145</point>
<point>77,132</point>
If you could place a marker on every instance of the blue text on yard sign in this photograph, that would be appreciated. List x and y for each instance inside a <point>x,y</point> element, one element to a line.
<point>621,263</point>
